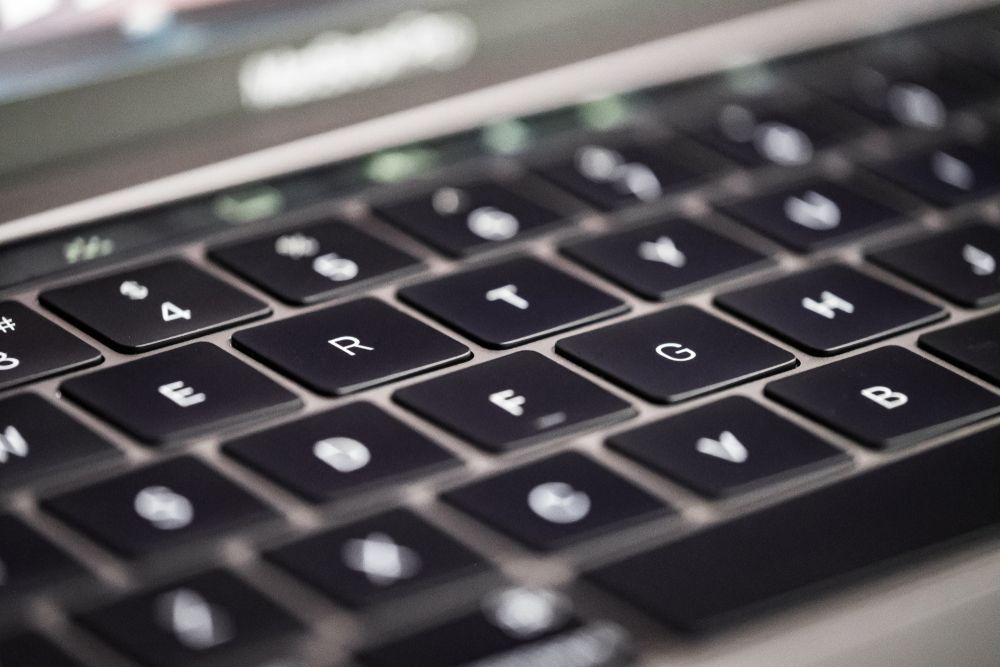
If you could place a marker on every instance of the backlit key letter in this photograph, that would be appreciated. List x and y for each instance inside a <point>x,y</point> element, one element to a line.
<point>885,397</point>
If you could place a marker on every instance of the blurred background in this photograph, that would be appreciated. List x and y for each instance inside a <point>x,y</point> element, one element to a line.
<point>120,77</point>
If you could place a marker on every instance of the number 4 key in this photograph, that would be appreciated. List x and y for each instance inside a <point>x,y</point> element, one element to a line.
<point>150,307</point>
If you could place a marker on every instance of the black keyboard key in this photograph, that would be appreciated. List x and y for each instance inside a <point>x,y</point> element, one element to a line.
<point>973,346</point>
<point>514,626</point>
<point>947,176</point>
<point>960,265</point>
<point>471,217</point>
<point>720,574</point>
<point>512,302</point>
<point>886,397</point>
<point>660,260</point>
<point>815,215</point>
<point>378,559</point>
<point>552,503</point>
<point>314,262</point>
<point>830,309</point>
<point>150,307</point>
<point>675,354</point>
<point>614,175</point>
<point>30,649</point>
<point>28,560</point>
<point>787,137</point>
<point>150,510</point>
<point>350,347</point>
<point>727,448</point>
<point>513,401</point>
<point>37,438</point>
<point>336,453</point>
<point>32,348</point>
<point>210,616</point>
<point>180,394</point>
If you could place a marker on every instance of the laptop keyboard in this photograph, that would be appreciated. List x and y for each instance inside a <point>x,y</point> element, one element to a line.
<point>690,353</point>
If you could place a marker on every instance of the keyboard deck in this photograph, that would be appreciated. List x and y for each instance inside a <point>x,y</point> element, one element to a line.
<point>670,360</point>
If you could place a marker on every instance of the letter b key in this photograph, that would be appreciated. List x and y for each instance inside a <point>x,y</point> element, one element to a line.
<point>885,397</point>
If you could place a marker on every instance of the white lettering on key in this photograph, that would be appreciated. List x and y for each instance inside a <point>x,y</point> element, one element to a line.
<point>981,262</point>
<point>558,502</point>
<point>524,613</point>
<point>916,106</point>
<point>181,394</point>
<point>12,443</point>
<point>885,397</point>
<point>508,294</point>
<point>347,343</point>
<point>336,268</point>
<point>783,144</point>
<point>381,559</point>
<point>663,250</point>
<point>952,171</point>
<point>342,454</point>
<point>195,623</point>
<point>133,290</point>
<point>170,312</point>
<point>675,352</point>
<point>163,508</point>
<point>492,224</point>
<point>7,362</point>
<point>727,448</point>
<point>813,211</point>
<point>296,246</point>
<point>828,305</point>
<point>603,165</point>
<point>509,402</point>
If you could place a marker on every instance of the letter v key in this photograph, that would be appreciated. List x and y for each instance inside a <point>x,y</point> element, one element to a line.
<point>727,448</point>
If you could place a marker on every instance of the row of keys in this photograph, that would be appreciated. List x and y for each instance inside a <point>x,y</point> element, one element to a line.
<point>355,346</point>
<point>347,348</point>
<point>216,617</point>
<point>487,304</point>
<point>363,343</point>
<point>169,302</point>
<point>882,398</point>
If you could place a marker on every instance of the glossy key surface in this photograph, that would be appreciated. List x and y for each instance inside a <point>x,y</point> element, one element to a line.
<point>830,309</point>
<point>32,347</point>
<point>148,307</point>
<point>351,347</point>
<point>554,502</point>
<point>342,451</point>
<point>675,354</point>
<point>314,262</point>
<point>728,447</point>
<point>887,397</point>
<point>211,616</point>
<point>152,509</point>
<point>512,302</point>
<point>513,401</point>
<point>180,394</point>
<point>662,259</point>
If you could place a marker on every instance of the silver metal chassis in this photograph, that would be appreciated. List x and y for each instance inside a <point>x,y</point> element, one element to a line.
<point>945,610</point>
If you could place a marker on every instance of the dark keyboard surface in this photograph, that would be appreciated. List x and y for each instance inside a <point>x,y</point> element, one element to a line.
<point>717,349</point>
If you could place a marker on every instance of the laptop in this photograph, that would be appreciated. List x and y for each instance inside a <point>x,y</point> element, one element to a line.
<point>463,332</point>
